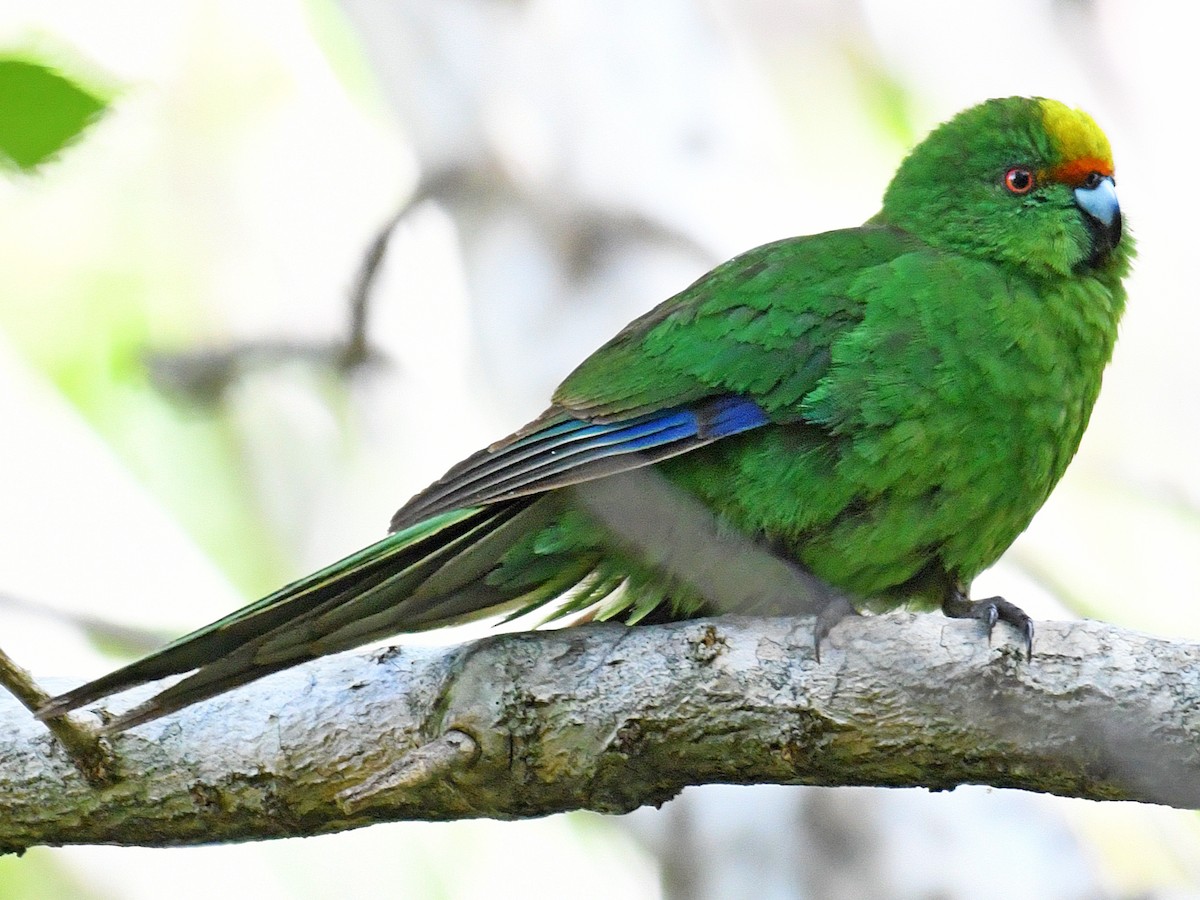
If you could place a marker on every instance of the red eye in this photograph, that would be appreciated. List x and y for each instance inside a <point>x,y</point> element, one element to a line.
<point>1019,180</point>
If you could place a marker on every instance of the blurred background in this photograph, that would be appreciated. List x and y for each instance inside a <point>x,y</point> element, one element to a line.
<point>197,409</point>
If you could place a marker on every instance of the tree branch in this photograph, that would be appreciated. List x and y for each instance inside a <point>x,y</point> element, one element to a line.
<point>610,718</point>
<point>82,744</point>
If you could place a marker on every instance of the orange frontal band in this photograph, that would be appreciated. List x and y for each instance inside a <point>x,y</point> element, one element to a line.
<point>1076,171</point>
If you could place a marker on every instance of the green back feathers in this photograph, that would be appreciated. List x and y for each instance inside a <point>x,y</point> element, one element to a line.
<point>761,325</point>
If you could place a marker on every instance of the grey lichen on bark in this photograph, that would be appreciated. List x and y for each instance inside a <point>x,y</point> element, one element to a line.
<point>610,718</point>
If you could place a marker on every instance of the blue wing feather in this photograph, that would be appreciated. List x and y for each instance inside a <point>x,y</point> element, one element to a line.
<point>558,450</point>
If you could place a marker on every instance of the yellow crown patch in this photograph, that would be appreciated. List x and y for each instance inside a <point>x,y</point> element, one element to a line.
<point>1075,133</point>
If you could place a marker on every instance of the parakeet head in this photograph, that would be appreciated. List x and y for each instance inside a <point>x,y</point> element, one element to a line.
<point>1024,181</point>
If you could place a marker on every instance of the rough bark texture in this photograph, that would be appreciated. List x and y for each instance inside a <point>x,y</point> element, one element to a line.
<point>610,718</point>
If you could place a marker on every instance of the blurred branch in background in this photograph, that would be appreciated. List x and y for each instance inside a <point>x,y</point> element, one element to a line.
<point>203,376</point>
<point>583,237</point>
<point>122,638</point>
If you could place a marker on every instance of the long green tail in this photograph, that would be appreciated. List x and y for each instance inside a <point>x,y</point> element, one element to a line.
<point>429,575</point>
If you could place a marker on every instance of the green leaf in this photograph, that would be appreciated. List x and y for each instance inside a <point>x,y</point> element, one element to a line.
<point>41,111</point>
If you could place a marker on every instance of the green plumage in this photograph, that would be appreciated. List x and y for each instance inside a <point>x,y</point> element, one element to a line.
<point>885,407</point>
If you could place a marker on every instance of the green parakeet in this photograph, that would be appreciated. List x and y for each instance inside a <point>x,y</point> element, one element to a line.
<point>883,407</point>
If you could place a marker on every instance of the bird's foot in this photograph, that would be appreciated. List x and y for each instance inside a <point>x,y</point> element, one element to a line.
<point>838,608</point>
<point>990,611</point>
